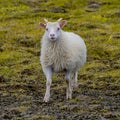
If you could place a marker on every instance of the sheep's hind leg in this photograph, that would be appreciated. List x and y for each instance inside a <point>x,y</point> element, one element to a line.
<point>75,79</point>
<point>69,85</point>
<point>48,74</point>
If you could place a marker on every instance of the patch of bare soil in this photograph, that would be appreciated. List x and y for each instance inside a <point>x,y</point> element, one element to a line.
<point>24,100</point>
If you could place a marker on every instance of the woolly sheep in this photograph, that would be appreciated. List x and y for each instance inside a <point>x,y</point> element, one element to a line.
<point>61,51</point>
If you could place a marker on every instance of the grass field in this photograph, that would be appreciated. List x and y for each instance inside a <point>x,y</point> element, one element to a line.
<point>22,83</point>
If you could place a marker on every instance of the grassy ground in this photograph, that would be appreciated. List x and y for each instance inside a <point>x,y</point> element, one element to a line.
<point>22,83</point>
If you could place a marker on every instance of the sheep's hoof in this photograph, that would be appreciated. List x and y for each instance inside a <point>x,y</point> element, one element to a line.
<point>46,99</point>
<point>75,85</point>
<point>69,96</point>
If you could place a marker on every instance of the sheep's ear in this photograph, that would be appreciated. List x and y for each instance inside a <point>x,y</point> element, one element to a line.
<point>62,23</point>
<point>42,25</point>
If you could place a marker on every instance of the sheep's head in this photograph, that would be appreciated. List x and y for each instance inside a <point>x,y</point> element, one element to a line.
<point>53,29</point>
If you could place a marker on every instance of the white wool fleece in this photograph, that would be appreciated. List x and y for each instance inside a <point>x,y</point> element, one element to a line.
<point>69,52</point>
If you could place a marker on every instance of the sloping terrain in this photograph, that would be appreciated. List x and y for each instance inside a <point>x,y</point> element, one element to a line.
<point>22,83</point>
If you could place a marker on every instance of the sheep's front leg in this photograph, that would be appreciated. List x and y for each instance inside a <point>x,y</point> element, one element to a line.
<point>48,74</point>
<point>69,85</point>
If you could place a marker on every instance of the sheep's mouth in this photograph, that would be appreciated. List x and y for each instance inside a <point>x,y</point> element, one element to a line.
<point>53,38</point>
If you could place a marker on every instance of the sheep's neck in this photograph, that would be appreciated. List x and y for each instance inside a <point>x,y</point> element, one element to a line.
<point>57,46</point>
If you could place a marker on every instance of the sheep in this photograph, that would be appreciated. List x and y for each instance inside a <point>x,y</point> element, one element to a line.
<point>61,51</point>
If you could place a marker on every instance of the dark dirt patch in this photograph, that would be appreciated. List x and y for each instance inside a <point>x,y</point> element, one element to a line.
<point>92,6</point>
<point>57,10</point>
<point>25,101</point>
<point>32,3</point>
<point>116,36</point>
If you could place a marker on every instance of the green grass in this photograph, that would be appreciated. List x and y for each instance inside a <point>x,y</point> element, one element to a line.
<point>20,36</point>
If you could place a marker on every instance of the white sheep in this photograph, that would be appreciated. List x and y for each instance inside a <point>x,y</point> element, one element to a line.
<point>61,51</point>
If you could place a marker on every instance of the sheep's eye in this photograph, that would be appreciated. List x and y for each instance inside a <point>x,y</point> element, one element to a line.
<point>46,29</point>
<point>58,28</point>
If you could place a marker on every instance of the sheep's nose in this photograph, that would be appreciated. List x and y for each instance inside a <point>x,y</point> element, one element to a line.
<point>52,35</point>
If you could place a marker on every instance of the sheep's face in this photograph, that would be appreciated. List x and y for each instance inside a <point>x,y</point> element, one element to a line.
<point>53,29</point>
